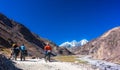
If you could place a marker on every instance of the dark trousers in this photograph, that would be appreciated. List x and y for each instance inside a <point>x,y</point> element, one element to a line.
<point>14,55</point>
<point>47,56</point>
<point>22,56</point>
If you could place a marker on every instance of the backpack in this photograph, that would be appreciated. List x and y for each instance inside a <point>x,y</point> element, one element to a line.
<point>16,51</point>
<point>25,52</point>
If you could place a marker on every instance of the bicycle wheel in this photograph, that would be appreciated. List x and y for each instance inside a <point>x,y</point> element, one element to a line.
<point>46,58</point>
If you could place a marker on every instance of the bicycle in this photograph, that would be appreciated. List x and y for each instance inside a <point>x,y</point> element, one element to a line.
<point>47,56</point>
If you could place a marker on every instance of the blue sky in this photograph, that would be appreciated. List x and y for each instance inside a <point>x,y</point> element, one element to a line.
<point>64,20</point>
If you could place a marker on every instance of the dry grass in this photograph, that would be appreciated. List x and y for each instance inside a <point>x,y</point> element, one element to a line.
<point>70,58</point>
<point>5,51</point>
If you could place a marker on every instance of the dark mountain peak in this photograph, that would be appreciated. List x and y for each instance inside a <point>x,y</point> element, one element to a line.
<point>4,20</point>
<point>11,31</point>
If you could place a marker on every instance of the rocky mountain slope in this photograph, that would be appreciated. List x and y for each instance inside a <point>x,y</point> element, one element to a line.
<point>6,64</point>
<point>11,31</point>
<point>105,47</point>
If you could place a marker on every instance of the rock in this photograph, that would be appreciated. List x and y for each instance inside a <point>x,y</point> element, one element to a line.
<point>76,62</point>
<point>6,64</point>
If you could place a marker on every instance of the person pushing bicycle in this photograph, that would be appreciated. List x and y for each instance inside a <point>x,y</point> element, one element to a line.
<point>48,51</point>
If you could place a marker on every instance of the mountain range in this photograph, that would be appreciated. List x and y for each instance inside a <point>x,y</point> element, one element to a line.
<point>105,47</point>
<point>74,43</point>
<point>14,32</point>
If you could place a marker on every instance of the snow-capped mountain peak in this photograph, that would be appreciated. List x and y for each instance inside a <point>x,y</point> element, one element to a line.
<point>74,43</point>
<point>84,41</point>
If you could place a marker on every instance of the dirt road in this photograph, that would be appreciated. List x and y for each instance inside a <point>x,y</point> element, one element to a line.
<point>40,64</point>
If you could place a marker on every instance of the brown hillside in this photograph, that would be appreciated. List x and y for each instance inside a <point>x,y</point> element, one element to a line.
<point>106,47</point>
<point>11,31</point>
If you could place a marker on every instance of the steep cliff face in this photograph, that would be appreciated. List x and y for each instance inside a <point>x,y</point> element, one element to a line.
<point>106,47</point>
<point>6,64</point>
<point>11,31</point>
<point>109,46</point>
